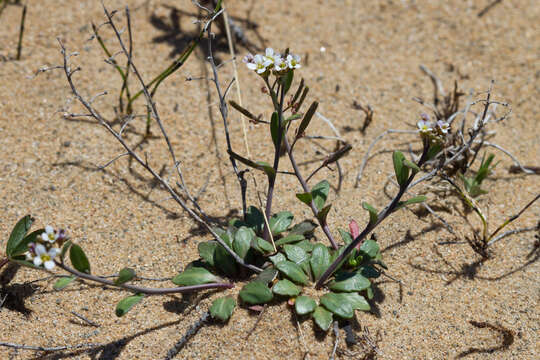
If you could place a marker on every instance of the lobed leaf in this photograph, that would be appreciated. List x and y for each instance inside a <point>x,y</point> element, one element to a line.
<point>293,272</point>
<point>286,288</point>
<point>304,305</point>
<point>338,305</point>
<point>323,318</point>
<point>280,222</point>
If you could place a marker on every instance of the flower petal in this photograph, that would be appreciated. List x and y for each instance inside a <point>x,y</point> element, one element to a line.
<point>49,264</point>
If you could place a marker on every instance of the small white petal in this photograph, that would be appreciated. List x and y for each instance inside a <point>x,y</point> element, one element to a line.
<point>45,237</point>
<point>40,250</point>
<point>49,229</point>
<point>29,256</point>
<point>252,66</point>
<point>38,261</point>
<point>49,265</point>
<point>53,252</point>
<point>269,52</point>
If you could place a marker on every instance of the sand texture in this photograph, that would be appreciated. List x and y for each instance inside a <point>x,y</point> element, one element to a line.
<point>364,51</point>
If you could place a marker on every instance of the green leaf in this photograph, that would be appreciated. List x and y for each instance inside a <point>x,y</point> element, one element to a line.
<point>287,81</point>
<point>280,222</point>
<point>369,272</point>
<point>64,250</point>
<point>323,214</point>
<point>194,276</point>
<point>433,150</point>
<point>303,228</point>
<point>286,288</point>
<point>207,251</point>
<point>224,261</point>
<point>23,245</point>
<point>264,245</point>
<point>295,253</point>
<point>369,292</point>
<point>290,239</point>
<point>323,318</point>
<point>63,282</point>
<point>370,247</point>
<point>357,301</point>
<point>304,305</point>
<point>267,275</point>
<point>255,219</point>
<point>306,245</point>
<point>337,304</point>
<point>244,111</point>
<point>274,129</point>
<point>222,308</point>
<point>320,194</point>
<point>293,272</point>
<point>402,172</point>
<point>349,282</point>
<point>17,235</point>
<point>373,214</point>
<point>306,198</point>
<point>259,165</point>
<point>320,260</point>
<point>345,236</point>
<point>256,292</point>
<point>411,165</point>
<point>127,303</point>
<point>78,259</point>
<point>414,200</point>
<point>307,117</point>
<point>242,241</point>
<point>298,91</point>
<point>279,257</point>
<point>125,275</point>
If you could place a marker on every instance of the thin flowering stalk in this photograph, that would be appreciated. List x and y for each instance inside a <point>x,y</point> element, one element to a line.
<point>145,290</point>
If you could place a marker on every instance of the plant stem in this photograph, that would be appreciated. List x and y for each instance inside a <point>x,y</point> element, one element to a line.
<point>21,32</point>
<point>389,209</point>
<point>145,290</point>
<point>305,186</point>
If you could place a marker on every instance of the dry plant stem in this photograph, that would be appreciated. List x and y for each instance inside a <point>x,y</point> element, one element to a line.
<point>305,186</point>
<point>48,349</point>
<point>171,354</point>
<point>144,290</point>
<point>512,218</point>
<point>389,209</point>
<point>69,73</point>
<point>511,232</point>
<point>514,159</point>
<point>21,32</point>
<point>89,322</point>
<point>224,115</point>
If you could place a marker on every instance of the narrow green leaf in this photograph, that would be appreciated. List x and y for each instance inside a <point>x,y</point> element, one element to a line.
<point>307,117</point>
<point>268,170</point>
<point>78,259</point>
<point>243,111</point>
<point>304,305</point>
<point>274,129</point>
<point>63,282</point>
<point>222,308</point>
<point>207,251</point>
<point>373,214</point>
<point>320,260</point>
<point>320,194</point>
<point>286,288</point>
<point>127,303</point>
<point>306,198</point>
<point>433,150</point>
<point>294,238</point>
<point>125,275</point>
<point>280,222</point>
<point>264,245</point>
<point>345,236</point>
<point>414,200</point>
<point>411,165</point>
<point>22,247</point>
<point>336,155</point>
<point>323,214</point>
<point>298,91</point>
<point>337,304</point>
<point>17,235</point>
<point>293,272</point>
<point>349,282</point>
<point>242,241</point>
<point>323,318</point>
<point>194,276</point>
<point>298,105</point>
<point>357,301</point>
<point>64,250</point>
<point>287,81</point>
<point>256,292</point>
<point>256,165</point>
<point>402,172</point>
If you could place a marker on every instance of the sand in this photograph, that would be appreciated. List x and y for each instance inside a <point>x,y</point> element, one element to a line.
<point>352,50</point>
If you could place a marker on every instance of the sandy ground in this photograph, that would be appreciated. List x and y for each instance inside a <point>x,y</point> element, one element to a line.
<point>373,49</point>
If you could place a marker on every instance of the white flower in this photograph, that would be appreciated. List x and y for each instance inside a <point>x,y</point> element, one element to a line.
<point>424,126</point>
<point>49,235</point>
<point>248,59</point>
<point>271,56</point>
<point>280,65</point>
<point>443,127</point>
<point>293,61</point>
<point>259,64</point>
<point>44,257</point>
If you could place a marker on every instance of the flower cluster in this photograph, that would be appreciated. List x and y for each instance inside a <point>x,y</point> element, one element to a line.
<point>46,247</point>
<point>436,131</point>
<point>271,62</point>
